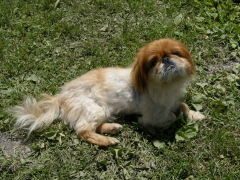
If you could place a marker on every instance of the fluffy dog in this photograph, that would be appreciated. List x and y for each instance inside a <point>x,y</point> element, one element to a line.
<point>152,87</point>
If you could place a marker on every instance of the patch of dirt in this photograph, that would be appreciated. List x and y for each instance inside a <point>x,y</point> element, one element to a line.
<point>213,69</point>
<point>12,146</point>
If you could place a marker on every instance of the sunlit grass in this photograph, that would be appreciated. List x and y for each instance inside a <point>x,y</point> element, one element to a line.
<point>44,44</point>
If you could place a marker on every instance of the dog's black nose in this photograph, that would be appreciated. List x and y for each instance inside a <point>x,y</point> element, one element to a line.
<point>166,60</point>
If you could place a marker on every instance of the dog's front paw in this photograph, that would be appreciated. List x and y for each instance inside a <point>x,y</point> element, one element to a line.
<point>196,115</point>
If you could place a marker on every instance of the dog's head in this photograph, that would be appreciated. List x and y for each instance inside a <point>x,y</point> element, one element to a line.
<point>161,62</point>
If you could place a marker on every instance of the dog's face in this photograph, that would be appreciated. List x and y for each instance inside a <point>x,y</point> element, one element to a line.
<point>161,62</point>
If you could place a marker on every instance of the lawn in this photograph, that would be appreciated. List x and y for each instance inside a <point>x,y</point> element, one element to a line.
<point>45,43</point>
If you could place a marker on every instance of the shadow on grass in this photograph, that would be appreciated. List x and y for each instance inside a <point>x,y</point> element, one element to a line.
<point>167,135</point>
<point>131,121</point>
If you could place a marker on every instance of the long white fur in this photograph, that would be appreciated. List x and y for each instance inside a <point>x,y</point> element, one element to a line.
<point>36,115</point>
<point>90,104</point>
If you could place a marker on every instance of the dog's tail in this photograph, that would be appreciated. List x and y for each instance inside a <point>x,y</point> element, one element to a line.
<point>33,115</point>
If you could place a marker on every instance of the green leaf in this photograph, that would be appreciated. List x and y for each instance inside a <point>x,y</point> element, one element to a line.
<point>116,152</point>
<point>178,19</point>
<point>33,78</point>
<point>208,3</point>
<point>220,87</point>
<point>236,68</point>
<point>219,105</point>
<point>198,107</point>
<point>237,30</point>
<point>158,144</point>
<point>74,45</point>
<point>186,132</point>
<point>202,84</point>
<point>198,98</point>
<point>179,138</point>
<point>23,161</point>
<point>102,163</point>
<point>7,92</point>
<point>178,33</point>
<point>59,138</point>
<point>76,141</point>
<point>214,15</point>
<point>50,135</point>
<point>238,82</point>
<point>104,28</point>
<point>127,163</point>
<point>56,3</point>
<point>233,43</point>
<point>200,19</point>
<point>233,54</point>
<point>190,122</point>
<point>190,133</point>
<point>209,31</point>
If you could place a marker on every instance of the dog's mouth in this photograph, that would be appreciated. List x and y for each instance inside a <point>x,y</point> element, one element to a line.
<point>169,67</point>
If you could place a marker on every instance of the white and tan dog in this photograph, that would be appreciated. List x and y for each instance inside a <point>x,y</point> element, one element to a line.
<point>153,88</point>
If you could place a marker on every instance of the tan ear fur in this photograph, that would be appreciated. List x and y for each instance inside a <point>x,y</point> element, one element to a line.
<point>187,55</point>
<point>139,74</point>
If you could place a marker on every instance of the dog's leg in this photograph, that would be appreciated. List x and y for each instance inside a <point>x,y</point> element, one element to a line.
<point>109,128</point>
<point>91,122</point>
<point>94,138</point>
<point>190,114</point>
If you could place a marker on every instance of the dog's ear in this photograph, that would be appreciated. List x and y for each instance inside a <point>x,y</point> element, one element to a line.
<point>185,53</point>
<point>140,71</point>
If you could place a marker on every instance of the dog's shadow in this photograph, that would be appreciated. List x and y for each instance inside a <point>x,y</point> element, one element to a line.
<point>167,135</point>
<point>131,121</point>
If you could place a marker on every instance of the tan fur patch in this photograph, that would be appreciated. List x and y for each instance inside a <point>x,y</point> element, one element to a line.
<point>97,139</point>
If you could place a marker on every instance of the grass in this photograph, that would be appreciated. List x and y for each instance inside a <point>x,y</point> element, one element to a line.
<point>45,43</point>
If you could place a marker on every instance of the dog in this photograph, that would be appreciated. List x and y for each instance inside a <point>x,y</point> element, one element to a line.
<point>152,87</point>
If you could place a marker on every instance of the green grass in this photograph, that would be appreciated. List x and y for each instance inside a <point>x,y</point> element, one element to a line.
<point>45,43</point>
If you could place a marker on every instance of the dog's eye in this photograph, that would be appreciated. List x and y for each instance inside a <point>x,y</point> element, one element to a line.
<point>154,61</point>
<point>176,54</point>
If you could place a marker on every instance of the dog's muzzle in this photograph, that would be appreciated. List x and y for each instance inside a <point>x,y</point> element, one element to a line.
<point>168,64</point>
